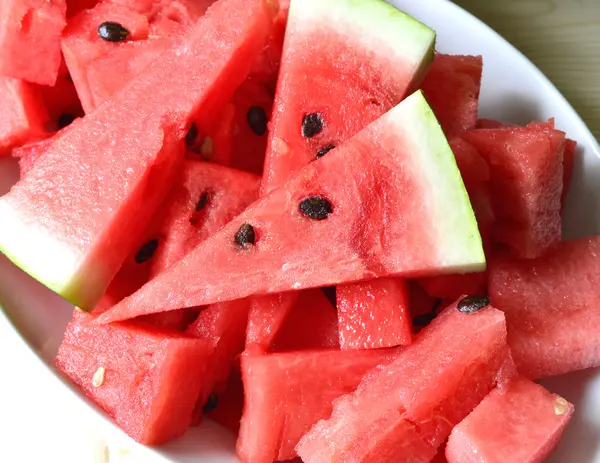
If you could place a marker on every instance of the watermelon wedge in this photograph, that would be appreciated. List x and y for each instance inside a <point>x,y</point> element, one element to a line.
<point>526,422</point>
<point>267,315</point>
<point>551,308</point>
<point>136,140</point>
<point>287,393</point>
<point>374,314</point>
<point>328,217</point>
<point>145,378</point>
<point>406,410</point>
<point>373,56</point>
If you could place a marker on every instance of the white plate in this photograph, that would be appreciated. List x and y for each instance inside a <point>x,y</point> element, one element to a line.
<point>513,90</point>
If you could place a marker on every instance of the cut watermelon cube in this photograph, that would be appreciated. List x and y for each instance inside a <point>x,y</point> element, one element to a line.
<point>30,33</point>
<point>50,231</point>
<point>551,308</point>
<point>405,411</point>
<point>373,57</point>
<point>267,315</point>
<point>374,314</point>
<point>452,87</point>
<point>146,379</point>
<point>520,424</point>
<point>329,217</point>
<point>286,393</point>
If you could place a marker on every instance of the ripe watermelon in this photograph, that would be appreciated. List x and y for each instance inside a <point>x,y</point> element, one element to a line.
<point>286,393</point>
<point>146,379</point>
<point>267,315</point>
<point>62,103</point>
<point>526,185</point>
<point>452,88</point>
<point>49,229</point>
<point>374,314</point>
<point>551,308</point>
<point>405,411</point>
<point>520,424</point>
<point>228,402</point>
<point>331,89</point>
<point>30,33</point>
<point>275,245</point>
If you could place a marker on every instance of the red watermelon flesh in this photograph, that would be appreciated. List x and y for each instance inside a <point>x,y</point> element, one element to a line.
<point>75,6</point>
<point>62,102</point>
<point>147,123</point>
<point>374,314</point>
<point>23,117</point>
<point>453,286</point>
<point>362,237</point>
<point>551,308</point>
<point>30,32</point>
<point>286,393</point>
<point>372,59</point>
<point>406,410</point>
<point>420,302</point>
<point>452,88</point>
<point>526,185</point>
<point>312,323</point>
<point>493,124</point>
<point>525,420</point>
<point>146,379</point>
<point>267,315</point>
<point>230,402</point>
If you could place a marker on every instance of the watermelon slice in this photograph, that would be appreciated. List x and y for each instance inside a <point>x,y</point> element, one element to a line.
<point>525,420</point>
<point>50,231</point>
<point>23,117</point>
<point>30,33</point>
<point>374,314</point>
<point>328,217</point>
<point>287,393</point>
<point>406,410</point>
<point>267,314</point>
<point>367,58</point>
<point>551,308</point>
<point>452,88</point>
<point>146,379</point>
<point>526,184</point>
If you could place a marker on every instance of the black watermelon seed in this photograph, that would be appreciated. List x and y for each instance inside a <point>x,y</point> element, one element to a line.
<point>312,124</point>
<point>65,120</point>
<point>323,151</point>
<point>191,136</point>
<point>211,403</point>
<point>112,32</point>
<point>257,120</point>
<point>316,208</point>
<point>472,304</point>
<point>424,320</point>
<point>203,201</point>
<point>245,236</point>
<point>146,252</point>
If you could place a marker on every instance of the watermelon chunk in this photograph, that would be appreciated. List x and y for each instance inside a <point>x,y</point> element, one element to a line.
<point>50,231</point>
<point>146,379</point>
<point>405,411</point>
<point>372,57</point>
<point>526,185</point>
<point>286,393</point>
<point>267,315</point>
<point>400,156</point>
<point>30,33</point>
<point>374,314</point>
<point>23,117</point>
<point>551,308</point>
<point>524,420</point>
<point>229,400</point>
<point>452,88</point>
<point>62,103</point>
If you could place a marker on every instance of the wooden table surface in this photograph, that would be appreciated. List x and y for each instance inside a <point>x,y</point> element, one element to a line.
<point>562,37</point>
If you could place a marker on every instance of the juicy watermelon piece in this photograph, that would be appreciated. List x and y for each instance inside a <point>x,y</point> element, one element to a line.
<point>420,302</point>
<point>30,33</point>
<point>76,251</point>
<point>405,411</point>
<point>23,117</point>
<point>368,57</point>
<point>229,402</point>
<point>374,314</point>
<point>361,238</point>
<point>453,286</point>
<point>267,315</point>
<point>62,103</point>
<point>452,88</point>
<point>146,379</point>
<point>286,393</point>
<point>312,323</point>
<point>521,423</point>
<point>526,184</point>
<point>551,308</point>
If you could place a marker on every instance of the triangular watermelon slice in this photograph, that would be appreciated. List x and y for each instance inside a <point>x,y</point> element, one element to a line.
<point>267,315</point>
<point>327,226</point>
<point>74,218</point>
